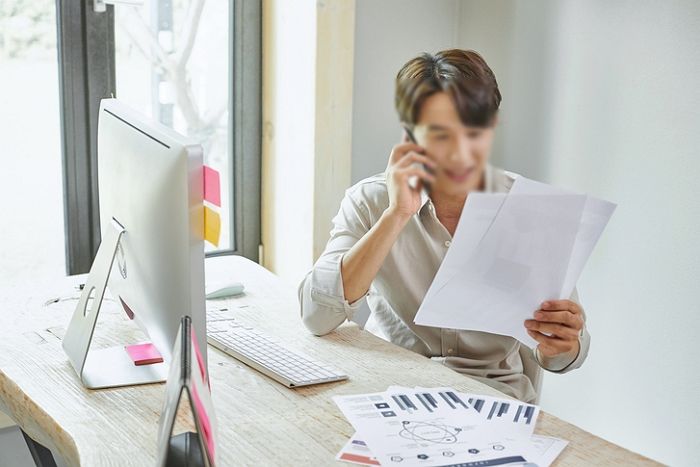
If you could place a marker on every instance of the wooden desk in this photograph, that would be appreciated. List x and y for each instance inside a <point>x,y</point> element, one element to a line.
<point>260,421</point>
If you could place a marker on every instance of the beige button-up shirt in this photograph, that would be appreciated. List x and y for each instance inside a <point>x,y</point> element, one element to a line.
<point>400,285</point>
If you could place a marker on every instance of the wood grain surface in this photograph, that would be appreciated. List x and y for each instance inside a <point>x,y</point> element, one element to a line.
<point>260,422</point>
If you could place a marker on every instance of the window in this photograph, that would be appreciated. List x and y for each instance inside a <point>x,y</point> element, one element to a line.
<point>172,63</point>
<point>192,65</point>
<point>31,231</point>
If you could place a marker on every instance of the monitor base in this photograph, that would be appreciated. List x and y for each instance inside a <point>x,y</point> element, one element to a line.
<point>121,370</point>
<point>109,367</point>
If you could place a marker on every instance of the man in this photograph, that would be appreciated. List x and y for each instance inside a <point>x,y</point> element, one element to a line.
<point>394,228</point>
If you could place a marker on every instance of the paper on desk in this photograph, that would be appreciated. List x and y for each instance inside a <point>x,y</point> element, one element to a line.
<point>547,449</point>
<point>428,427</point>
<point>356,451</point>
<point>503,417</point>
<point>497,273</point>
<point>441,426</point>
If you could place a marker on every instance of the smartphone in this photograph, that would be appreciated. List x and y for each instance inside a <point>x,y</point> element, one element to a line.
<point>414,182</point>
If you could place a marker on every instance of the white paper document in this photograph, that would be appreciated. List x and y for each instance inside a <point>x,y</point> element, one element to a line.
<point>511,252</point>
<point>443,427</point>
<point>546,448</point>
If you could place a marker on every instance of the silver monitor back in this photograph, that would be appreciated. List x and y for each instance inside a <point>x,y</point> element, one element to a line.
<point>150,182</point>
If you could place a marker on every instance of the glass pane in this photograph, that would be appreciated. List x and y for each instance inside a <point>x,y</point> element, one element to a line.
<point>172,62</point>
<point>31,211</point>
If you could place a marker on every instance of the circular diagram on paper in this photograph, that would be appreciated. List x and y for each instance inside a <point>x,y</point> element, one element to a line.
<point>429,432</point>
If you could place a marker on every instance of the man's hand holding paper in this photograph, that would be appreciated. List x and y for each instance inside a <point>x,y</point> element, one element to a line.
<point>511,253</point>
<point>557,326</point>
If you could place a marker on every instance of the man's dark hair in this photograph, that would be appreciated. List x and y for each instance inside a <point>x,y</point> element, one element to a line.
<point>462,74</point>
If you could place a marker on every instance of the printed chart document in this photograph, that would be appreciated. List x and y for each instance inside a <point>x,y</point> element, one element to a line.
<point>510,253</point>
<point>442,427</point>
<point>547,449</point>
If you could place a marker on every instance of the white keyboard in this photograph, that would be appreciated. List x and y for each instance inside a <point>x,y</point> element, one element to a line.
<point>265,354</point>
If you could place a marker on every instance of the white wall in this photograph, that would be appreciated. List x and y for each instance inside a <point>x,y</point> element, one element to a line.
<point>601,97</point>
<point>308,50</point>
<point>387,34</point>
<point>289,83</point>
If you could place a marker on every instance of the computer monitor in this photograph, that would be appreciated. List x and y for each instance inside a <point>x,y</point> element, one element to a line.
<point>151,215</point>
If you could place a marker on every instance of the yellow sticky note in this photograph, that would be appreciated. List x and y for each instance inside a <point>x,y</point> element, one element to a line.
<point>212,226</point>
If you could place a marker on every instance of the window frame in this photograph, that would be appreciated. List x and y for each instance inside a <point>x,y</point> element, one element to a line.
<point>245,126</point>
<point>87,73</point>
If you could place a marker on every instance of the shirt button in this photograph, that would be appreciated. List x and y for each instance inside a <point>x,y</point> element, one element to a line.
<point>448,243</point>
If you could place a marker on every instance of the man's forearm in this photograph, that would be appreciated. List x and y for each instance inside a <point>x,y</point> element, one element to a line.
<point>362,262</point>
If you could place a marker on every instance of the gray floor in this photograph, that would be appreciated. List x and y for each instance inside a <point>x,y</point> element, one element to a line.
<point>13,449</point>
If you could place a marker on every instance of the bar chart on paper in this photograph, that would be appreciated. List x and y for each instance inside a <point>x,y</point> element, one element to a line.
<point>441,426</point>
<point>488,409</point>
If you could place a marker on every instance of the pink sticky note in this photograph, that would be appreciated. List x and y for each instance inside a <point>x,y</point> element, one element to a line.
<point>144,353</point>
<point>204,421</point>
<point>212,186</point>
<point>198,354</point>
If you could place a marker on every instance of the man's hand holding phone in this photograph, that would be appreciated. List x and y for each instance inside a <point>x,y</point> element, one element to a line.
<point>360,264</point>
<point>407,161</point>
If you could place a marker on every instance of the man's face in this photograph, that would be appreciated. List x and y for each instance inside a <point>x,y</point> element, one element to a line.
<point>461,152</point>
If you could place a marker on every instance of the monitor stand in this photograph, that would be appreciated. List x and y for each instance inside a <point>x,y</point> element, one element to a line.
<point>110,367</point>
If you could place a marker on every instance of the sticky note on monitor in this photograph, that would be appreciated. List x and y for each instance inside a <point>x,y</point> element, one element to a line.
<point>212,226</point>
<point>144,353</point>
<point>212,186</point>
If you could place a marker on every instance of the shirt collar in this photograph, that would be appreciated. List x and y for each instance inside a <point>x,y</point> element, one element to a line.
<point>489,186</point>
<point>424,198</point>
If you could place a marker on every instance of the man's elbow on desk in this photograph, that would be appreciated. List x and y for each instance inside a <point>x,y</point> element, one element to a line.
<point>317,327</point>
<point>319,318</point>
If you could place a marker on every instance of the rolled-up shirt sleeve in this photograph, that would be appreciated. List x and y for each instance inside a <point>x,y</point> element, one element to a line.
<point>321,293</point>
<point>565,363</point>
